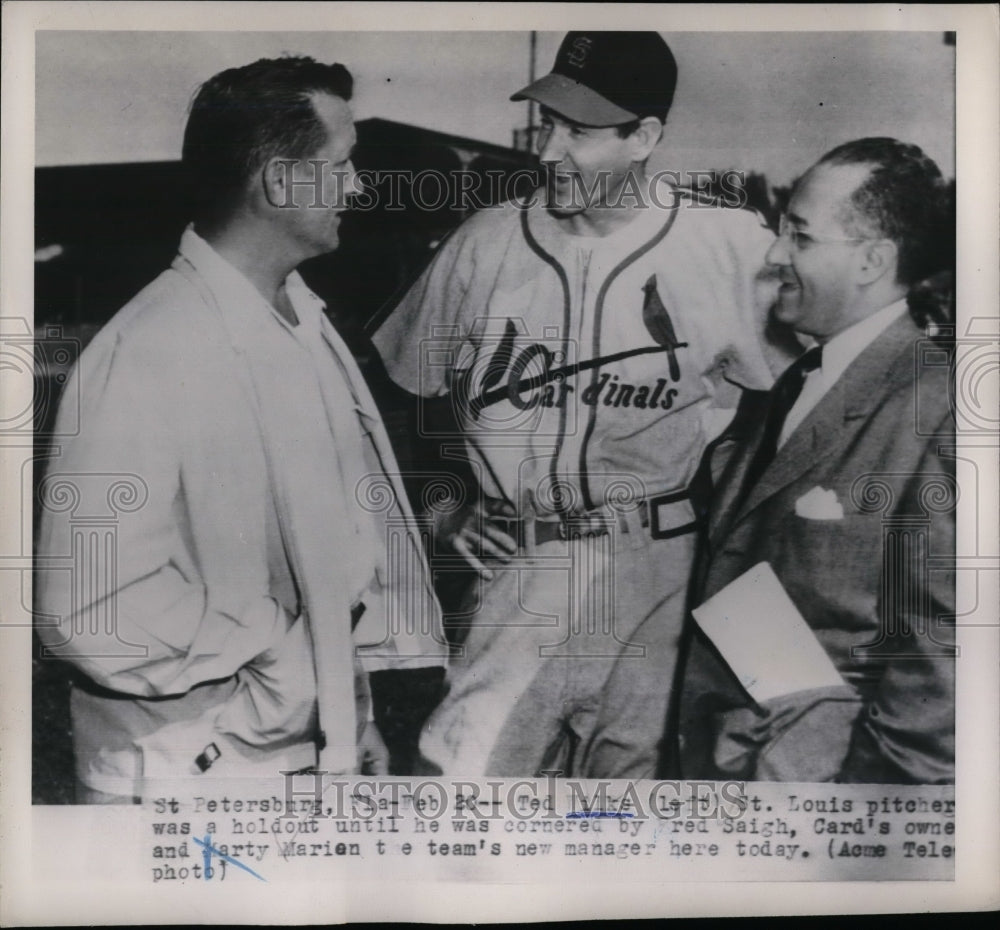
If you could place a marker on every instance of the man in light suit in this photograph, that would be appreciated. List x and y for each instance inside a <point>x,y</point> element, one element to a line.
<point>844,484</point>
<point>242,551</point>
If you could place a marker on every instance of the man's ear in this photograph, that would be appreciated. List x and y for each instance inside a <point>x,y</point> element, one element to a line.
<point>878,258</point>
<point>275,182</point>
<point>644,138</point>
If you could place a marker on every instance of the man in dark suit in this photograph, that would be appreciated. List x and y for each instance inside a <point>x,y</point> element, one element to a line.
<point>845,486</point>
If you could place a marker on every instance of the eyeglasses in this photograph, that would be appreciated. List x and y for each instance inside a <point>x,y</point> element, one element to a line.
<point>800,240</point>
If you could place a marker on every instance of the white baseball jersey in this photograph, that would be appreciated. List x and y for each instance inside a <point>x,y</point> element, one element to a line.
<point>597,365</point>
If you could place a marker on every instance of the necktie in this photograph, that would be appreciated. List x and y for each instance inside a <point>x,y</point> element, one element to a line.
<point>783,397</point>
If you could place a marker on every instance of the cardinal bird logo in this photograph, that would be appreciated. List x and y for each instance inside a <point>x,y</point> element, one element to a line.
<point>660,327</point>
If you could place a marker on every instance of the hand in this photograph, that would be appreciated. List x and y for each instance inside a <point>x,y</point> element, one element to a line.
<point>372,751</point>
<point>275,699</point>
<point>470,532</point>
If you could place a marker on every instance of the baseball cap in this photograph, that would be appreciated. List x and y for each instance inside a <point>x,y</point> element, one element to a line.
<point>608,78</point>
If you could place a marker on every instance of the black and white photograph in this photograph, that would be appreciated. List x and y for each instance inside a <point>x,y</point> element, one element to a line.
<point>546,453</point>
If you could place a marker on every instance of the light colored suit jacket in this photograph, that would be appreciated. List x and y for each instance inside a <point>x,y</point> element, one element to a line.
<point>876,585</point>
<point>166,559</point>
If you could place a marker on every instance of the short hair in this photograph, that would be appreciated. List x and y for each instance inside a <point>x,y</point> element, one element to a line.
<point>903,198</point>
<point>626,129</point>
<point>242,117</point>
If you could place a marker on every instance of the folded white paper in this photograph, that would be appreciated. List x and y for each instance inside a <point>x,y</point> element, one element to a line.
<point>761,634</point>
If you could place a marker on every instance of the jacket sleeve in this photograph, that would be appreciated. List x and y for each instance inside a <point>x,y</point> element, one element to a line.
<point>906,732</point>
<point>119,593</point>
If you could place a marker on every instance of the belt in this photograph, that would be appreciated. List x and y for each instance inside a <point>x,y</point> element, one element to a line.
<point>663,517</point>
<point>668,515</point>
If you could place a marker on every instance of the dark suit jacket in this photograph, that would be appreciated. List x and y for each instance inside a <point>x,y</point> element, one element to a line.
<point>877,586</point>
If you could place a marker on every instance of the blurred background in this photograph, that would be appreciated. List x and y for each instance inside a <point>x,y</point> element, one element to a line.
<point>110,109</point>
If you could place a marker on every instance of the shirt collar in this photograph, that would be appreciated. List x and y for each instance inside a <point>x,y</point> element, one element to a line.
<point>232,285</point>
<point>848,344</point>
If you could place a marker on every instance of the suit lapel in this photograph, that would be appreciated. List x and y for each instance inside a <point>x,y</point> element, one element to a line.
<point>725,494</point>
<point>858,390</point>
<point>808,443</point>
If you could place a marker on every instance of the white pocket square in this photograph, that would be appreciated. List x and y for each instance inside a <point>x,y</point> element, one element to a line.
<point>819,504</point>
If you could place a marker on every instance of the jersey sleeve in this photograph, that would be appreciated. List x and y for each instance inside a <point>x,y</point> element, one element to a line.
<point>420,336</point>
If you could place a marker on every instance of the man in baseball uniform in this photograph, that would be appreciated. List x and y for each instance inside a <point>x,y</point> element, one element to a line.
<point>592,340</point>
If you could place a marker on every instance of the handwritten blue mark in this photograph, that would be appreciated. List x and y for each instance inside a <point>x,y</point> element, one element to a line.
<point>208,850</point>
<point>580,815</point>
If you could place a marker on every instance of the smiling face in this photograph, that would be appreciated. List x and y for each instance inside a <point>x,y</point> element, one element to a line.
<point>818,258</point>
<point>587,166</point>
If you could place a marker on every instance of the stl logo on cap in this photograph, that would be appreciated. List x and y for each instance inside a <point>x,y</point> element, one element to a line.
<point>578,52</point>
